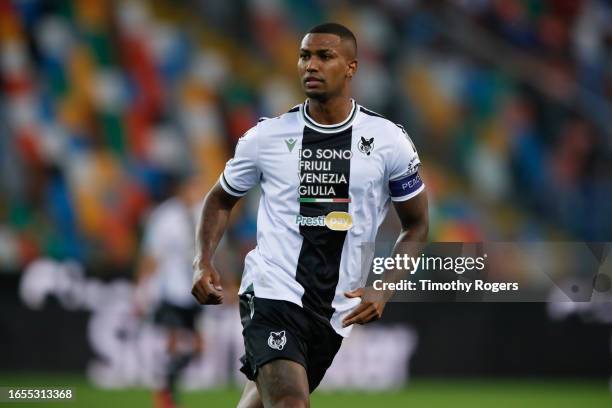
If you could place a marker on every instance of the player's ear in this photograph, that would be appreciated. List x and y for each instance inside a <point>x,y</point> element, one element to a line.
<point>351,69</point>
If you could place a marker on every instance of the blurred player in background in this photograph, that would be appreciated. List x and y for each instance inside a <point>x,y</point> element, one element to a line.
<point>165,266</point>
<point>328,170</point>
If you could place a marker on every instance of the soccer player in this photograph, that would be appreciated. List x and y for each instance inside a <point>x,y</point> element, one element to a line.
<point>167,253</point>
<point>328,169</point>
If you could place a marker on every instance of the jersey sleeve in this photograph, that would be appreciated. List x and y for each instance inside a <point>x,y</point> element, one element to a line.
<point>404,179</point>
<point>242,172</point>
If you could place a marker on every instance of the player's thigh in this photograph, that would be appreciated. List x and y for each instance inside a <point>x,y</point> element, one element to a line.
<point>283,383</point>
<point>250,397</point>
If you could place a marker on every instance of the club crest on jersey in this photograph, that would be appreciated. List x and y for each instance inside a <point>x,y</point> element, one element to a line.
<point>366,145</point>
<point>277,340</point>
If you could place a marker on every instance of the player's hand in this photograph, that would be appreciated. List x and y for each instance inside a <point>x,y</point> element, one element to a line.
<point>207,287</point>
<point>370,309</point>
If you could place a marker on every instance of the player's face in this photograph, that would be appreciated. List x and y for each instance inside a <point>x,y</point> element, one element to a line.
<point>325,65</point>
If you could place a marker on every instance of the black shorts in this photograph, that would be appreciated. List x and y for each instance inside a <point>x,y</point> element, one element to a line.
<point>177,317</point>
<point>274,329</point>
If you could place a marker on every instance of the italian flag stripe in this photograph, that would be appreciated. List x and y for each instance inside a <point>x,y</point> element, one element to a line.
<point>323,200</point>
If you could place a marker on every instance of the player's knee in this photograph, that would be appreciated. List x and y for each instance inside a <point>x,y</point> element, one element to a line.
<point>283,383</point>
<point>287,395</point>
<point>291,401</point>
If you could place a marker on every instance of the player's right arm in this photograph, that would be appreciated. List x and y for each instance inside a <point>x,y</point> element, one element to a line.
<point>218,205</point>
<point>241,173</point>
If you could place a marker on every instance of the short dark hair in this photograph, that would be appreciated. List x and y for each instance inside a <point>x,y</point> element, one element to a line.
<point>337,29</point>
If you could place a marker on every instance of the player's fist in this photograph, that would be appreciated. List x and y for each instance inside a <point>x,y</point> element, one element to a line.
<point>207,287</point>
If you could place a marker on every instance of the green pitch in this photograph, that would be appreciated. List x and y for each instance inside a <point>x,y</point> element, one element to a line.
<point>420,393</point>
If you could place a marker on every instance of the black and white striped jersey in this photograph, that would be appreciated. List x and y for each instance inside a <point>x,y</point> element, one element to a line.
<point>325,189</point>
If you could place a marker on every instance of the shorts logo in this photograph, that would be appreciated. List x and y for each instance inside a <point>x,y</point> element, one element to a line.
<point>277,340</point>
<point>366,145</point>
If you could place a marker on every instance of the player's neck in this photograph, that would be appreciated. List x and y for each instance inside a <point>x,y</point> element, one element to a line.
<point>330,111</point>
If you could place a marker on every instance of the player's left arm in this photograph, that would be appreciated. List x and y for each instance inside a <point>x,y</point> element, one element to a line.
<point>413,215</point>
<point>407,191</point>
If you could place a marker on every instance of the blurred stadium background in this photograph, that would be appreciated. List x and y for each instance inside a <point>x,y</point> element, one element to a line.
<point>104,103</point>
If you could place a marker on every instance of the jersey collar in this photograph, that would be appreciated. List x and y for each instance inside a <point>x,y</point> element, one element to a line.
<point>337,127</point>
